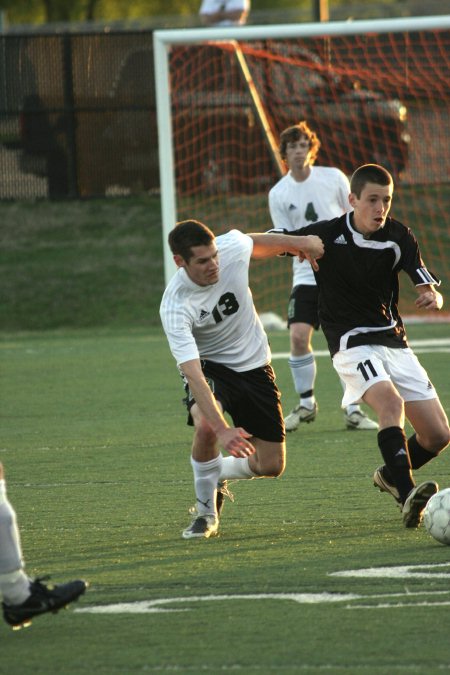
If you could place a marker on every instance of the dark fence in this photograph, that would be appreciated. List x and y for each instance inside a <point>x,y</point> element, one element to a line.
<point>77,115</point>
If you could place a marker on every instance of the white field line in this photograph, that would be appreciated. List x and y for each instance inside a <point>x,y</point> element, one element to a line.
<point>410,598</point>
<point>159,606</point>
<point>439,345</point>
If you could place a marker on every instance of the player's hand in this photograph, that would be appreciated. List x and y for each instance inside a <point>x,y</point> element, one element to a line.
<point>430,300</point>
<point>312,251</point>
<point>235,441</point>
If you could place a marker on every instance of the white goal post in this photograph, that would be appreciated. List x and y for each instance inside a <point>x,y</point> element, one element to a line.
<point>166,40</point>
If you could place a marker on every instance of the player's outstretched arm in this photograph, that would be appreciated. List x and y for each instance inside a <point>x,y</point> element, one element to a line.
<point>233,439</point>
<point>309,247</point>
<point>429,298</point>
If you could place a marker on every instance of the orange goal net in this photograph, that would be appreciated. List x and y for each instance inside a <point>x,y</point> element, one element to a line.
<point>371,96</point>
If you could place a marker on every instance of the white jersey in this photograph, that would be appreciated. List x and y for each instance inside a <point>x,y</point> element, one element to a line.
<point>217,322</point>
<point>294,204</point>
<point>213,6</point>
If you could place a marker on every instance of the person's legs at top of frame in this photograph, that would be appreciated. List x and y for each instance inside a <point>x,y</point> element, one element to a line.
<point>303,319</point>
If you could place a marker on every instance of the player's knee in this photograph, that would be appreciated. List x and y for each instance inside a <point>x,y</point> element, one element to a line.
<point>437,440</point>
<point>300,345</point>
<point>280,468</point>
<point>300,336</point>
<point>274,466</point>
<point>203,431</point>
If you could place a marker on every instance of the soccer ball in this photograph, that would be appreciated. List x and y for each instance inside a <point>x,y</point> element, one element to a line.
<point>436,516</point>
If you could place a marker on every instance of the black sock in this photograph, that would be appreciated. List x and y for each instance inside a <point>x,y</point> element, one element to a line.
<point>394,449</point>
<point>418,455</point>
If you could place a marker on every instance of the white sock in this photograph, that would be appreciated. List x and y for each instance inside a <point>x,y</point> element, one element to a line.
<point>303,370</point>
<point>206,477</point>
<point>308,402</point>
<point>236,468</point>
<point>14,583</point>
<point>14,587</point>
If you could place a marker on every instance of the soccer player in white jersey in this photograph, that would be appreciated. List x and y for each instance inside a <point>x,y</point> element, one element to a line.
<point>224,12</point>
<point>358,309</point>
<point>23,598</point>
<point>223,353</point>
<point>307,194</point>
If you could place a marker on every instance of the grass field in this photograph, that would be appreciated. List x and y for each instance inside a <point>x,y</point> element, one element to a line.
<point>96,452</point>
<point>80,264</point>
<point>88,264</point>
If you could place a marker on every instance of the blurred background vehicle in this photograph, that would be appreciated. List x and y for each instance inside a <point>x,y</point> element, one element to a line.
<point>293,83</point>
<point>81,113</point>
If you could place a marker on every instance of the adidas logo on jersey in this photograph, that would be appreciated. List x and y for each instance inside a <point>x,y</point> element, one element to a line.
<point>292,207</point>
<point>340,240</point>
<point>203,315</point>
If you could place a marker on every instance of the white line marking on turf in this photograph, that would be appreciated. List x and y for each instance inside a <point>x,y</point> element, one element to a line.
<point>403,571</point>
<point>397,572</point>
<point>396,605</point>
<point>441,345</point>
<point>152,606</point>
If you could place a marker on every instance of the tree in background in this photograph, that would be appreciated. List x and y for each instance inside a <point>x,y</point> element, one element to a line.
<point>45,11</point>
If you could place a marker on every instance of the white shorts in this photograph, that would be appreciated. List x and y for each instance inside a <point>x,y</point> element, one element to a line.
<point>361,367</point>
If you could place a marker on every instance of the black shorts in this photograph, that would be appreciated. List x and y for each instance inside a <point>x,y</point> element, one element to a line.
<point>252,399</point>
<point>303,306</point>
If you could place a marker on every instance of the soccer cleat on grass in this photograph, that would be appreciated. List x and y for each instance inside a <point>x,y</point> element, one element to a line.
<point>41,601</point>
<point>300,414</point>
<point>416,501</point>
<point>359,420</point>
<point>381,482</point>
<point>222,492</point>
<point>202,526</point>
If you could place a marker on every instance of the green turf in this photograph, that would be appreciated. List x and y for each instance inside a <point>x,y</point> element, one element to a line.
<point>80,264</point>
<point>99,263</point>
<point>96,451</point>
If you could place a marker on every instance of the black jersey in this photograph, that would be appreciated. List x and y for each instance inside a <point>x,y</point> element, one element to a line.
<point>358,281</point>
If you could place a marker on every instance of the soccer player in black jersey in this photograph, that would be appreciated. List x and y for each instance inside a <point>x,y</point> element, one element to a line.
<point>358,309</point>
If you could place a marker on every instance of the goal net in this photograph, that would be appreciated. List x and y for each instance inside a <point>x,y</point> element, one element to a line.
<point>373,91</point>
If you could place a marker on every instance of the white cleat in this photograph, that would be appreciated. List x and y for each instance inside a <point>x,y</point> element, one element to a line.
<point>300,414</point>
<point>381,482</point>
<point>202,527</point>
<point>416,502</point>
<point>359,420</point>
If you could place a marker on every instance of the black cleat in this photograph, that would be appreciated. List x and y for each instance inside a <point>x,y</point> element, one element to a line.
<point>41,601</point>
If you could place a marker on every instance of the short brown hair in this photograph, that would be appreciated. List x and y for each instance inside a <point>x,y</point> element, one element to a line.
<point>294,133</point>
<point>186,234</point>
<point>369,173</point>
